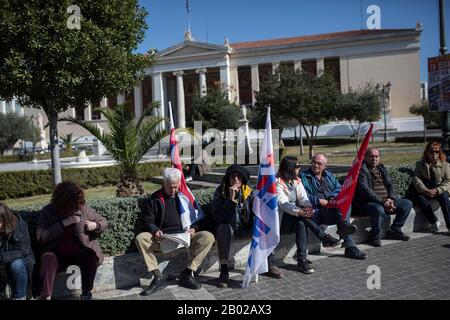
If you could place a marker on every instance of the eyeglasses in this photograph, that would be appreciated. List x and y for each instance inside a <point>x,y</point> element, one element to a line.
<point>434,151</point>
<point>320,164</point>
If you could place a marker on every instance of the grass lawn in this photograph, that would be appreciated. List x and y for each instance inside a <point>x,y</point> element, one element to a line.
<point>344,154</point>
<point>94,193</point>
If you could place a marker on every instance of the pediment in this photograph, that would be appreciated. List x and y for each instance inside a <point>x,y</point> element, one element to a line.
<point>191,48</point>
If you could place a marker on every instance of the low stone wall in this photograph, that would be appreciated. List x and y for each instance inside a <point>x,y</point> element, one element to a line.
<point>129,270</point>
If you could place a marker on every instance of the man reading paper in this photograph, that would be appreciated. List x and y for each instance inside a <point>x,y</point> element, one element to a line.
<point>162,215</point>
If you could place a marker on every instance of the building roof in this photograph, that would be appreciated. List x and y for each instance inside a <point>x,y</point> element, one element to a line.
<point>318,37</point>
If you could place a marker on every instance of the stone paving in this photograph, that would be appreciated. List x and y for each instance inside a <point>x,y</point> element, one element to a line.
<point>417,269</point>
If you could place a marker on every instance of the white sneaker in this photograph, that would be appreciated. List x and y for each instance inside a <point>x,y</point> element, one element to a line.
<point>435,227</point>
<point>188,179</point>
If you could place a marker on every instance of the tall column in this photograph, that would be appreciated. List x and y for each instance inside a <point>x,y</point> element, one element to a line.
<point>225,77</point>
<point>255,82</point>
<point>298,65</point>
<point>320,66</point>
<point>180,100</point>
<point>120,99</point>
<point>138,101</point>
<point>88,112</point>
<point>275,66</point>
<point>13,105</point>
<point>72,113</point>
<point>202,81</point>
<point>103,104</point>
<point>3,106</point>
<point>158,94</point>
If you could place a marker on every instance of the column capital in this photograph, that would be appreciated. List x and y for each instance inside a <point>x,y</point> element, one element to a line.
<point>200,70</point>
<point>178,73</point>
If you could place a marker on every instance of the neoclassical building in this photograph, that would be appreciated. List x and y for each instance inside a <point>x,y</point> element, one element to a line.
<point>354,57</point>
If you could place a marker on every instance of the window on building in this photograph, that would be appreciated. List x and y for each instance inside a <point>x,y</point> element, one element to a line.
<point>147,95</point>
<point>310,66</point>
<point>264,71</point>
<point>79,113</point>
<point>112,101</point>
<point>333,65</point>
<point>245,85</point>
<point>95,115</point>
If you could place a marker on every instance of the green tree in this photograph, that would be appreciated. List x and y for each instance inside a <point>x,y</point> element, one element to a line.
<point>294,94</point>
<point>211,109</point>
<point>128,141</point>
<point>50,66</point>
<point>429,118</point>
<point>360,106</point>
<point>12,128</point>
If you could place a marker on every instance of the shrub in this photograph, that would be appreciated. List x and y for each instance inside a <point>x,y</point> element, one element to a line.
<point>16,184</point>
<point>122,215</point>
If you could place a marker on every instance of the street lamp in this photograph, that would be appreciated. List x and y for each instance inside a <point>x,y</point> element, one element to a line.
<point>386,92</point>
<point>33,138</point>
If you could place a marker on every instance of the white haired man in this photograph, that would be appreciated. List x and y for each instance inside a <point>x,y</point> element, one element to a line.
<point>160,215</point>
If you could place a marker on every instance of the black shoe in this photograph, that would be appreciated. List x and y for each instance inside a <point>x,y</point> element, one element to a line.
<point>274,272</point>
<point>330,241</point>
<point>374,242</point>
<point>154,286</point>
<point>397,235</point>
<point>346,229</point>
<point>304,267</point>
<point>187,280</point>
<point>86,296</point>
<point>224,279</point>
<point>355,253</point>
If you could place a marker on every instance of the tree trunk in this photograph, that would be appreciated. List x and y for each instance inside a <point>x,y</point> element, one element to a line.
<point>129,185</point>
<point>301,141</point>
<point>54,147</point>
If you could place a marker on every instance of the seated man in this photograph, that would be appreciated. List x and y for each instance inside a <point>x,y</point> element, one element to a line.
<point>161,214</point>
<point>375,195</point>
<point>322,186</point>
<point>232,212</point>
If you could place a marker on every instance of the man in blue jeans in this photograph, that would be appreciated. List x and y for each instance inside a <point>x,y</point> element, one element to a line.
<point>322,186</point>
<point>375,195</point>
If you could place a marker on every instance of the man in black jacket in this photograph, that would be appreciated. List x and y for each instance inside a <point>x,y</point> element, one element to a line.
<point>375,195</point>
<point>161,215</point>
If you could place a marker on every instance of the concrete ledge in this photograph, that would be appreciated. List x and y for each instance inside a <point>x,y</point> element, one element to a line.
<point>129,269</point>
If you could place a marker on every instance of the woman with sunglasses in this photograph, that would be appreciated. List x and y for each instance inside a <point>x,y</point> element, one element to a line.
<point>431,183</point>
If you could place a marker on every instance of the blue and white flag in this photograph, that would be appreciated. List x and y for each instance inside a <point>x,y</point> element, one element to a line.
<point>266,226</point>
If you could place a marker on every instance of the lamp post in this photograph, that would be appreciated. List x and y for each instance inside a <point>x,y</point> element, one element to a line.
<point>386,91</point>
<point>33,138</point>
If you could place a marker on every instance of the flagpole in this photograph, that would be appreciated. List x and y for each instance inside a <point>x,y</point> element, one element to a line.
<point>172,125</point>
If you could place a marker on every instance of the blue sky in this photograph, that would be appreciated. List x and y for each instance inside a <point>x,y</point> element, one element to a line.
<point>248,20</point>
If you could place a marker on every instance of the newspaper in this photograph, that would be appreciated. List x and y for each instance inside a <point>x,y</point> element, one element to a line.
<point>174,241</point>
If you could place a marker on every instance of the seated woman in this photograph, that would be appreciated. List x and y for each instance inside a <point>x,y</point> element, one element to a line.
<point>431,181</point>
<point>233,214</point>
<point>296,212</point>
<point>68,230</point>
<point>15,252</point>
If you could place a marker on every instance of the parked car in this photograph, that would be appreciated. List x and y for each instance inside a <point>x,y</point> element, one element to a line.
<point>84,142</point>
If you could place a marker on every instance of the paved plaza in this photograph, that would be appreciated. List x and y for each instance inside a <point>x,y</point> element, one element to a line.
<point>418,269</point>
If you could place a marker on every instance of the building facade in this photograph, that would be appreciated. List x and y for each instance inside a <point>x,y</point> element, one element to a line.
<point>354,57</point>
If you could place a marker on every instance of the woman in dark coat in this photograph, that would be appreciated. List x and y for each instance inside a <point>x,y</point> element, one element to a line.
<point>67,231</point>
<point>15,252</point>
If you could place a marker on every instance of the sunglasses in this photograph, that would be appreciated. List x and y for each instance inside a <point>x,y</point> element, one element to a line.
<point>434,151</point>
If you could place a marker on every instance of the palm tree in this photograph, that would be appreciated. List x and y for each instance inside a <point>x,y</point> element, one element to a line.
<point>68,141</point>
<point>128,141</point>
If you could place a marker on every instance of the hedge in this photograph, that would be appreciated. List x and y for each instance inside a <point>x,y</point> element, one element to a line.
<point>122,215</point>
<point>17,184</point>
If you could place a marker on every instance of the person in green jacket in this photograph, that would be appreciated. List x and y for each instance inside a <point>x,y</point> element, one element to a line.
<point>431,182</point>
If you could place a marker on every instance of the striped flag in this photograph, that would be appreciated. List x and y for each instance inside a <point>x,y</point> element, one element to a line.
<point>343,200</point>
<point>190,210</point>
<point>266,229</point>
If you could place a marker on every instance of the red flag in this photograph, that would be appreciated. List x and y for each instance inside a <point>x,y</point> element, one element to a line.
<point>344,199</point>
<point>176,162</point>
